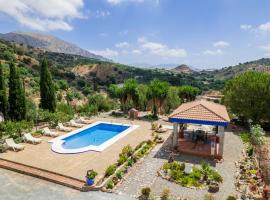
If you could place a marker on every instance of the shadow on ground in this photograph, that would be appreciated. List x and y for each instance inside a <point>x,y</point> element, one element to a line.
<point>166,149</point>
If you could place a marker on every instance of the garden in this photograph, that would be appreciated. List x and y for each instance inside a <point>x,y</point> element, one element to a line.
<point>190,176</point>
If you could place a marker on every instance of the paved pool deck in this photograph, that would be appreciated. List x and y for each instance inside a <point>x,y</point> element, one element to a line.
<point>76,165</point>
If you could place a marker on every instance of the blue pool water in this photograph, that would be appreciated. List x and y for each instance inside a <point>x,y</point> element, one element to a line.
<point>95,135</point>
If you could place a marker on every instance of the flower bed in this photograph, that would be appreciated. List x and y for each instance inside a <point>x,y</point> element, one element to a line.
<point>250,174</point>
<point>196,177</point>
<point>115,173</point>
<point>249,180</point>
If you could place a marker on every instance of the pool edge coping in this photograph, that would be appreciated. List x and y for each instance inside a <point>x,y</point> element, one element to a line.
<point>58,141</point>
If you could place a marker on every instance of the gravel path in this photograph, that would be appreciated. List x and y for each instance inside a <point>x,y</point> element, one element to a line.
<point>145,173</point>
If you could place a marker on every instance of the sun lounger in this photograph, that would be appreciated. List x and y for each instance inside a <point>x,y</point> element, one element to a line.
<point>12,145</point>
<point>47,132</point>
<point>27,137</point>
<point>82,120</point>
<point>61,127</point>
<point>74,124</point>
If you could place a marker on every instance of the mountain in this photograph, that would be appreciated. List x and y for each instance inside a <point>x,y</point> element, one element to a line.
<point>48,43</point>
<point>183,69</point>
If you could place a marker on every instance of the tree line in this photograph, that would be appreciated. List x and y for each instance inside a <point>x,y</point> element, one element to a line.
<point>158,96</point>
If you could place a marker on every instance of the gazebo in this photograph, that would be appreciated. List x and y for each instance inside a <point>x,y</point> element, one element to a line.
<point>206,138</point>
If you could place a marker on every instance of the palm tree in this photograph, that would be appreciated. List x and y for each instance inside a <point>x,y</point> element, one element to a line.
<point>157,93</point>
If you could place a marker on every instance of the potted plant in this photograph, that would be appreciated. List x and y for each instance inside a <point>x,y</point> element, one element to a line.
<point>90,177</point>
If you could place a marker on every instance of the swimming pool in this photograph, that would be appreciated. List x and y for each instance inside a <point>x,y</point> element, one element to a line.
<point>95,137</point>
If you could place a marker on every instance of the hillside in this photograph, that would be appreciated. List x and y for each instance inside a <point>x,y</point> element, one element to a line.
<point>261,65</point>
<point>48,43</point>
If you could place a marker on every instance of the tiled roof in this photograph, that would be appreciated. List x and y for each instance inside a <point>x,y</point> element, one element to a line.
<point>201,110</point>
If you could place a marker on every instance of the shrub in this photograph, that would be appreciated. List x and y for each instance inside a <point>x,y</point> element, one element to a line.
<point>216,176</point>
<point>91,174</point>
<point>110,170</point>
<point>53,118</point>
<point>174,166</point>
<point>122,159</point>
<point>250,150</point>
<point>130,162</point>
<point>119,174</point>
<point>100,101</point>
<point>176,175</point>
<point>127,150</point>
<point>110,184</point>
<point>65,108</point>
<point>146,191</point>
<point>196,174</point>
<point>14,129</point>
<point>165,195</point>
<point>245,137</point>
<point>257,135</point>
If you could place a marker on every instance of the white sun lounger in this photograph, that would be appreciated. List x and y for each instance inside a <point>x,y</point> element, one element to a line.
<point>27,137</point>
<point>12,145</point>
<point>74,124</point>
<point>82,120</point>
<point>61,127</point>
<point>47,132</point>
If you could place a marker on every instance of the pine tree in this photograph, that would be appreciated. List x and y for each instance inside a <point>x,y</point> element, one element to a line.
<point>3,94</point>
<point>16,99</point>
<point>47,90</point>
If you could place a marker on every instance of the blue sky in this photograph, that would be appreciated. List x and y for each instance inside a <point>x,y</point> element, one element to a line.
<point>201,33</point>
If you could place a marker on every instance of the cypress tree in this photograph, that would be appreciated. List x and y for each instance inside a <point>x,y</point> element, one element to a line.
<point>47,90</point>
<point>16,99</point>
<point>3,94</point>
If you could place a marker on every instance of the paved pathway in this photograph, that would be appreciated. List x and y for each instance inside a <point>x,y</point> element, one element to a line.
<point>145,172</point>
<point>15,186</point>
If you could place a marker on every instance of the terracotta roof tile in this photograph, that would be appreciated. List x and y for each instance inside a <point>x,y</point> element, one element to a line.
<point>201,110</point>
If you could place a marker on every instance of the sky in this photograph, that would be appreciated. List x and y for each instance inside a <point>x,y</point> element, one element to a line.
<point>200,33</point>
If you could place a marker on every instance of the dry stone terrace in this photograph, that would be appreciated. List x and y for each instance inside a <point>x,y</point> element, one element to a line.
<point>76,165</point>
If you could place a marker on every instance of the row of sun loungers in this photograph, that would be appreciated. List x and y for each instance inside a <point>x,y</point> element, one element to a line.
<point>27,137</point>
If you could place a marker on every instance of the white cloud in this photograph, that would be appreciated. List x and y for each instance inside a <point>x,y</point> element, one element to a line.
<point>115,2</point>
<point>221,44</point>
<point>160,49</point>
<point>264,27</point>
<point>213,52</point>
<point>246,27</point>
<point>108,53</point>
<point>122,45</point>
<point>43,15</point>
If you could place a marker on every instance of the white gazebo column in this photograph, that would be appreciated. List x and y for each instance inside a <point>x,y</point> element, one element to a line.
<point>175,135</point>
<point>221,140</point>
